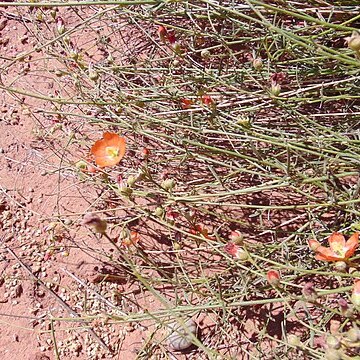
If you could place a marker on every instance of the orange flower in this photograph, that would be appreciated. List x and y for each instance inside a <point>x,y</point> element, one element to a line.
<point>236,251</point>
<point>109,150</point>
<point>132,239</point>
<point>339,248</point>
<point>198,229</point>
<point>165,35</point>
<point>186,103</point>
<point>207,100</point>
<point>162,32</point>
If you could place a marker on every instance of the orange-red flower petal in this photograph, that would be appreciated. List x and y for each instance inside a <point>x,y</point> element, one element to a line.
<point>326,254</point>
<point>109,150</point>
<point>352,244</point>
<point>336,241</point>
<point>339,249</point>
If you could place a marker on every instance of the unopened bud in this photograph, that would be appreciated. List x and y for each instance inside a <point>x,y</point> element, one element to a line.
<point>333,342</point>
<point>93,75</point>
<point>293,340</point>
<point>353,41</point>
<point>74,54</point>
<point>205,54</point>
<point>53,13</point>
<point>60,25</point>
<point>273,278</point>
<point>168,184</point>
<point>236,237</point>
<point>66,39</point>
<point>242,255</point>
<point>257,64</point>
<point>309,292</point>
<point>345,309</point>
<point>244,121</point>
<point>124,233</point>
<point>159,212</point>
<point>177,48</point>
<point>340,266</point>
<point>275,89</point>
<point>353,335</point>
<point>81,164</point>
<point>131,180</point>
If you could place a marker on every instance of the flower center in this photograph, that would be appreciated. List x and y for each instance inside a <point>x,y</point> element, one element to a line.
<point>112,152</point>
<point>339,250</point>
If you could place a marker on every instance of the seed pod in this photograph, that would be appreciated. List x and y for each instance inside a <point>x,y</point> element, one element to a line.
<point>353,41</point>
<point>179,338</point>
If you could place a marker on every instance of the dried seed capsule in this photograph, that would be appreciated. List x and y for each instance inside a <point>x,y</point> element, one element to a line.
<point>179,338</point>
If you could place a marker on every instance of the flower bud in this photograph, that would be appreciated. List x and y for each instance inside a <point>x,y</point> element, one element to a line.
<point>242,255</point>
<point>95,222</point>
<point>81,165</point>
<point>273,278</point>
<point>177,48</point>
<point>168,184</point>
<point>205,54</point>
<point>293,340</point>
<point>257,64</point>
<point>53,13</point>
<point>345,309</point>
<point>66,39</point>
<point>60,25</point>
<point>131,180</point>
<point>159,212</point>
<point>236,251</point>
<point>275,89</point>
<point>340,266</point>
<point>93,75</point>
<point>333,342</point>
<point>309,292</point>
<point>162,33</point>
<point>74,54</point>
<point>244,121</point>
<point>353,334</point>
<point>124,233</point>
<point>236,237</point>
